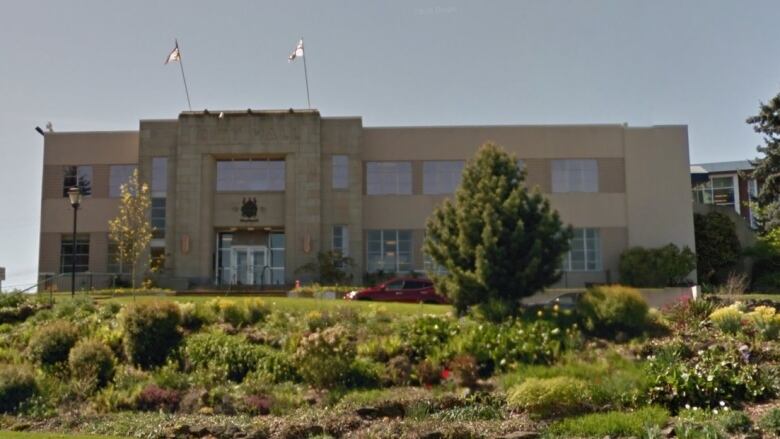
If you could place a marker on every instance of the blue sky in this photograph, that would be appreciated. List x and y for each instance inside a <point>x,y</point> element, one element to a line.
<point>98,65</point>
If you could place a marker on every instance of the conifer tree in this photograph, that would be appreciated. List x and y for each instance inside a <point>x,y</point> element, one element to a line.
<point>131,230</point>
<point>767,168</point>
<point>497,240</point>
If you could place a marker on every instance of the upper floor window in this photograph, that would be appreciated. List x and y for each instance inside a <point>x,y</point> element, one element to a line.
<point>575,175</point>
<point>340,168</point>
<point>389,178</point>
<point>585,251</point>
<point>77,176</point>
<point>118,175</point>
<point>249,175</point>
<point>159,176</point>
<point>717,190</point>
<point>441,177</point>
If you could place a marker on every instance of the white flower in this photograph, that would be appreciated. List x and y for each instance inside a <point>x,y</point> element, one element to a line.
<point>710,377</point>
<point>688,406</point>
<point>722,404</point>
<point>714,411</point>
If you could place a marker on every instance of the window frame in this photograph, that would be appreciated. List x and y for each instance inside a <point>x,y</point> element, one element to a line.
<point>390,243</point>
<point>86,188</point>
<point>339,171</point>
<point>596,250</point>
<point>114,189</point>
<point>273,175</point>
<point>574,175</point>
<point>343,246</point>
<point>82,240</point>
<point>442,177</point>
<point>389,178</point>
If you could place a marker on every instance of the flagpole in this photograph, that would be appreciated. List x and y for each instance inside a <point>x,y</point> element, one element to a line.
<point>183,78</point>
<point>305,74</point>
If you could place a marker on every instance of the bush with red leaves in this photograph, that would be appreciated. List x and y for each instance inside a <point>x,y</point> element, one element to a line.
<point>153,398</point>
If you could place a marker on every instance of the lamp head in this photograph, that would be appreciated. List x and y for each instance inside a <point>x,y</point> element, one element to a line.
<point>74,194</point>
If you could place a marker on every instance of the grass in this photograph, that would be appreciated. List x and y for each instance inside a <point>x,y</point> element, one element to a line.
<point>613,424</point>
<point>750,296</point>
<point>31,435</point>
<point>290,304</point>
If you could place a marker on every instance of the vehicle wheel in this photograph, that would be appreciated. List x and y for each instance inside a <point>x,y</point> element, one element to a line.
<point>364,299</point>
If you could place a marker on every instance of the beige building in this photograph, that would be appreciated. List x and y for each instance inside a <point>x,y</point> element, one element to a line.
<point>247,197</point>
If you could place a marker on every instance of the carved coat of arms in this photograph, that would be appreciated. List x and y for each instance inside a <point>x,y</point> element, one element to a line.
<point>249,209</point>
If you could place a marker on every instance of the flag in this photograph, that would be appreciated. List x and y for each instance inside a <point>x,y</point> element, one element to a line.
<point>175,54</point>
<point>298,52</point>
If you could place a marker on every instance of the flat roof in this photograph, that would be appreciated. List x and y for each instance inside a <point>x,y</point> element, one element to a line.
<point>716,167</point>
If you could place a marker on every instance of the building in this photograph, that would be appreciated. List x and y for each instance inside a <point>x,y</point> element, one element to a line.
<point>247,197</point>
<point>726,184</point>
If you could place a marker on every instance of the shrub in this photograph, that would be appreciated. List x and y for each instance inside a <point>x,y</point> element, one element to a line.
<point>428,373</point>
<point>766,321</point>
<point>656,268</point>
<point>224,356</point>
<point>426,334</point>
<point>464,370</point>
<point>150,332</point>
<point>153,398</point>
<point>364,373</point>
<point>695,424</point>
<point>717,247</point>
<point>17,385</point>
<point>277,367</point>
<point>770,422</point>
<point>92,361</point>
<point>50,344</point>
<point>727,319</point>
<point>324,357</point>
<point>548,397</point>
<point>609,310</point>
<point>399,371</point>
<point>612,424</point>
<point>506,345</point>
<point>719,373</point>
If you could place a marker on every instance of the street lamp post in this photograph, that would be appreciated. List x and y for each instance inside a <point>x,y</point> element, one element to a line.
<point>74,194</point>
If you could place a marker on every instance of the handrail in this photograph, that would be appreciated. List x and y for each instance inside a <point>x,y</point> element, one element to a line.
<point>48,279</point>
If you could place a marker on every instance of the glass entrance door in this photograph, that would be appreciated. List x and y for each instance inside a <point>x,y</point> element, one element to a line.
<point>250,265</point>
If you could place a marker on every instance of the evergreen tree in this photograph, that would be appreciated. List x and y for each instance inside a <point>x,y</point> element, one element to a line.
<point>132,229</point>
<point>767,168</point>
<point>497,241</point>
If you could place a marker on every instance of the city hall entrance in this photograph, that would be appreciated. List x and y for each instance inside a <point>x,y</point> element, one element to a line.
<point>250,258</point>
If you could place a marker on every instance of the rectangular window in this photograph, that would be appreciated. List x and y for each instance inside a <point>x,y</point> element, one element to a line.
<point>720,191</point>
<point>340,168</point>
<point>81,255</point>
<point>341,240</point>
<point>575,175</point>
<point>585,251</point>
<point>77,176</point>
<point>248,175</point>
<point>118,175</point>
<point>157,259</point>
<point>389,178</point>
<point>158,218</point>
<point>389,251</point>
<point>115,265</point>
<point>224,270</point>
<point>159,176</point>
<point>277,241</point>
<point>441,177</point>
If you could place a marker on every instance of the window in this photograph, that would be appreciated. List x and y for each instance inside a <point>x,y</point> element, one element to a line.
<point>224,271</point>
<point>118,175</point>
<point>158,218</point>
<point>247,175</point>
<point>159,176</point>
<point>81,256</point>
<point>389,251</point>
<point>394,178</point>
<point>115,265</point>
<point>341,240</point>
<point>585,252</point>
<point>340,170</point>
<point>717,190</point>
<point>441,177</point>
<point>277,241</point>
<point>575,176</point>
<point>752,200</point>
<point>157,259</point>
<point>77,176</point>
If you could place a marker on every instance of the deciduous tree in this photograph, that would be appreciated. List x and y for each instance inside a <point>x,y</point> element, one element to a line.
<point>131,230</point>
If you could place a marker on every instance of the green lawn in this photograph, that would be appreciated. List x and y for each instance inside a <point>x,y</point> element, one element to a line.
<point>283,303</point>
<point>26,435</point>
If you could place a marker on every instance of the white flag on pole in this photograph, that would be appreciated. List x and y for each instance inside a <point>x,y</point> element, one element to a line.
<point>175,55</point>
<point>298,52</point>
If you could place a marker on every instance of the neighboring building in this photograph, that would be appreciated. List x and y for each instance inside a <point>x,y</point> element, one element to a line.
<point>247,197</point>
<point>726,184</point>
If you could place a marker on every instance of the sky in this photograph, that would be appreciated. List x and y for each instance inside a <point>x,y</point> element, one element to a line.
<point>98,65</point>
